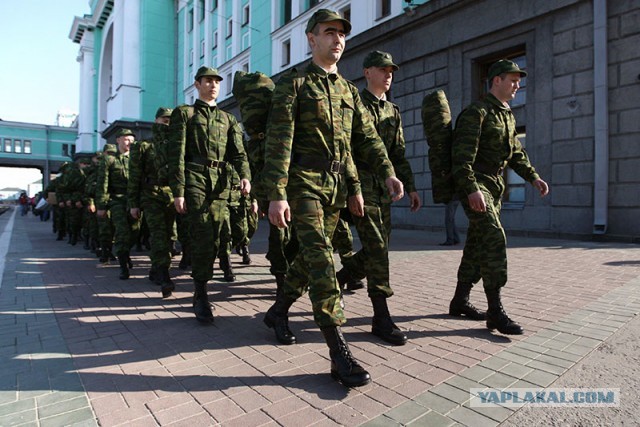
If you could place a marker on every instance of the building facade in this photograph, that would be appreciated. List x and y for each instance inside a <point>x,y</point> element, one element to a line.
<point>577,111</point>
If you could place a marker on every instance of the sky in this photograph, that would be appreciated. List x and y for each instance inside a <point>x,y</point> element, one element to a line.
<point>39,74</point>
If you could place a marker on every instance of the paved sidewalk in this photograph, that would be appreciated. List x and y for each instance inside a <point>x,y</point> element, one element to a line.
<point>78,346</point>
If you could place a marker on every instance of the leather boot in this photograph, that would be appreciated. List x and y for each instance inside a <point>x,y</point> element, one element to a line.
<point>347,282</point>
<point>74,239</point>
<point>124,266</point>
<point>166,284</point>
<point>496,316</point>
<point>460,305</point>
<point>104,254</point>
<point>277,317</point>
<point>61,235</point>
<point>246,257</point>
<point>344,367</point>
<point>185,261</point>
<point>201,305</point>
<point>382,325</point>
<point>129,261</point>
<point>154,275</point>
<point>225,266</point>
<point>280,278</point>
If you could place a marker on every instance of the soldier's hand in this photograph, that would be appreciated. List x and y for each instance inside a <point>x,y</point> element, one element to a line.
<point>68,203</point>
<point>180,204</point>
<point>254,207</point>
<point>135,213</point>
<point>356,205</point>
<point>61,204</point>
<point>91,208</point>
<point>279,213</point>
<point>78,204</point>
<point>395,188</point>
<point>415,201</point>
<point>101,213</point>
<point>477,202</point>
<point>542,187</point>
<point>245,186</point>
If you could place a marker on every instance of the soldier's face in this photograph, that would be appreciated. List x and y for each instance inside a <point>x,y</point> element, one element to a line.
<point>379,78</point>
<point>124,143</point>
<point>505,87</point>
<point>208,88</point>
<point>327,43</point>
<point>163,120</point>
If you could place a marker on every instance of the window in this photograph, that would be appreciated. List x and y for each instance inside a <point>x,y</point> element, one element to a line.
<point>245,15</point>
<point>27,146</point>
<point>65,150</point>
<point>190,21</point>
<point>7,145</point>
<point>201,7</point>
<point>191,57</point>
<point>313,3</point>
<point>229,83</point>
<point>515,185</point>
<point>214,61</point>
<point>383,8</point>
<point>229,52</point>
<point>201,48</point>
<point>17,146</point>
<point>245,40</point>
<point>286,11</point>
<point>245,67</point>
<point>346,13</point>
<point>214,4</point>
<point>229,27</point>
<point>214,41</point>
<point>73,150</point>
<point>286,53</point>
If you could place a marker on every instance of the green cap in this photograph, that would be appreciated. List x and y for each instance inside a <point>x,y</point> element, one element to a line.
<point>378,58</point>
<point>326,15</point>
<point>110,148</point>
<point>82,157</point>
<point>504,66</point>
<point>208,72</point>
<point>163,112</point>
<point>124,132</point>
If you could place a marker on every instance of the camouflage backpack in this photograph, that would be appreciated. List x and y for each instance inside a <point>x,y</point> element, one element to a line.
<point>436,121</point>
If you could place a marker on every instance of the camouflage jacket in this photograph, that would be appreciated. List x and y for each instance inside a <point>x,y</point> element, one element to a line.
<point>148,176</point>
<point>318,118</point>
<point>198,134</point>
<point>485,140</point>
<point>388,123</point>
<point>91,172</point>
<point>71,185</point>
<point>113,175</point>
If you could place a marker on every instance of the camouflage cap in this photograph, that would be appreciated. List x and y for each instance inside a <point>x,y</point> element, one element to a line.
<point>378,58</point>
<point>163,112</point>
<point>124,132</point>
<point>82,157</point>
<point>208,72</point>
<point>504,66</point>
<point>110,148</point>
<point>326,15</point>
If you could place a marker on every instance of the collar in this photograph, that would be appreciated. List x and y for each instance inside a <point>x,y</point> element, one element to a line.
<point>490,98</point>
<point>366,93</point>
<point>315,68</point>
<point>200,103</point>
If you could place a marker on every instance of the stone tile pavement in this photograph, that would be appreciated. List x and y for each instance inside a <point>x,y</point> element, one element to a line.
<point>80,347</point>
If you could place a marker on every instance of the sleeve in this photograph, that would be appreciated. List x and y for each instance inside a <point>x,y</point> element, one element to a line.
<point>237,156</point>
<point>102,194</point>
<point>397,151</point>
<point>279,139</point>
<point>176,151</point>
<point>520,163</point>
<point>466,139</point>
<point>78,181</point>
<point>135,174</point>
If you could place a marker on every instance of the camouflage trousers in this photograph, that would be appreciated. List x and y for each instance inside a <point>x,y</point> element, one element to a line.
<point>204,218</point>
<point>283,248</point>
<point>105,230</point>
<point>90,224</point>
<point>313,268</point>
<point>485,250</point>
<point>235,230</point>
<point>342,240</point>
<point>160,213</point>
<point>127,229</point>
<point>372,261</point>
<point>73,216</point>
<point>59,219</point>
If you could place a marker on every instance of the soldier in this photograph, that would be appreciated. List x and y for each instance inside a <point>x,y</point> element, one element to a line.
<point>91,233</point>
<point>342,243</point>
<point>308,170</point>
<point>374,228</point>
<point>59,214</point>
<point>105,225</point>
<point>202,140</point>
<point>111,194</point>
<point>50,193</point>
<point>148,189</point>
<point>70,193</point>
<point>484,144</point>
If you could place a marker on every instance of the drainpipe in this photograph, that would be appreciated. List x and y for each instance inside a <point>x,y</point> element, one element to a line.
<point>601,118</point>
<point>47,172</point>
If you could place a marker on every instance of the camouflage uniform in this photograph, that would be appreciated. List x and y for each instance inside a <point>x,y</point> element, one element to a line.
<point>91,219</point>
<point>111,194</point>
<point>203,139</point>
<point>484,143</point>
<point>106,230</point>
<point>69,191</point>
<point>308,123</point>
<point>55,209</point>
<point>374,228</point>
<point>148,190</point>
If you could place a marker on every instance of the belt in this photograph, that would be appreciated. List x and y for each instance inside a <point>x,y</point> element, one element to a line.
<point>309,162</point>
<point>236,187</point>
<point>362,166</point>
<point>153,181</point>
<point>488,170</point>
<point>209,163</point>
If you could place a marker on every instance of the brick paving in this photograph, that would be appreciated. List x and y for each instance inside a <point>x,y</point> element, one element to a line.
<point>80,347</point>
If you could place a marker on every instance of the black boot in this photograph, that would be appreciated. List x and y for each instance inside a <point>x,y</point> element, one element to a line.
<point>277,317</point>
<point>166,284</point>
<point>460,305</point>
<point>129,261</point>
<point>347,282</point>
<point>246,257</point>
<point>225,266</point>
<point>86,246</point>
<point>104,254</point>
<point>154,276</point>
<point>280,278</point>
<point>382,325</point>
<point>497,318</point>
<point>60,235</point>
<point>201,305</point>
<point>124,266</point>
<point>344,367</point>
<point>185,261</point>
